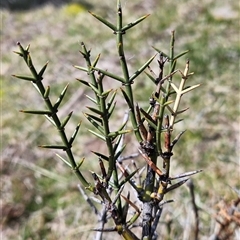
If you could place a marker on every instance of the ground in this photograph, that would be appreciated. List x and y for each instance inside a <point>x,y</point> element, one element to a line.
<point>40,198</point>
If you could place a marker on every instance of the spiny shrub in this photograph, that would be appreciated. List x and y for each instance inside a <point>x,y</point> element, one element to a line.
<point>152,127</point>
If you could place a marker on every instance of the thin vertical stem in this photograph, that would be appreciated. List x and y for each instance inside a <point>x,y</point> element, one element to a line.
<point>165,96</point>
<point>111,161</point>
<point>127,83</point>
<point>195,208</point>
<point>102,104</point>
<point>86,55</point>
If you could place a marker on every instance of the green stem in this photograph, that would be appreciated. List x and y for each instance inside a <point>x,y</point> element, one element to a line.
<point>164,99</point>
<point>39,85</point>
<point>105,121</point>
<point>124,67</point>
<point>86,55</point>
<point>102,105</point>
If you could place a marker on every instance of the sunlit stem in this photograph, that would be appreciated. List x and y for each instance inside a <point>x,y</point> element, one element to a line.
<point>124,67</point>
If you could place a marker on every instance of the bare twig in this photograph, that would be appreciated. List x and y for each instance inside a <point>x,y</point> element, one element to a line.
<point>88,200</point>
<point>195,208</point>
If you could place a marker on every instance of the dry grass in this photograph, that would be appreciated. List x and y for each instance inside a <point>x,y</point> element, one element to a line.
<point>40,199</point>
